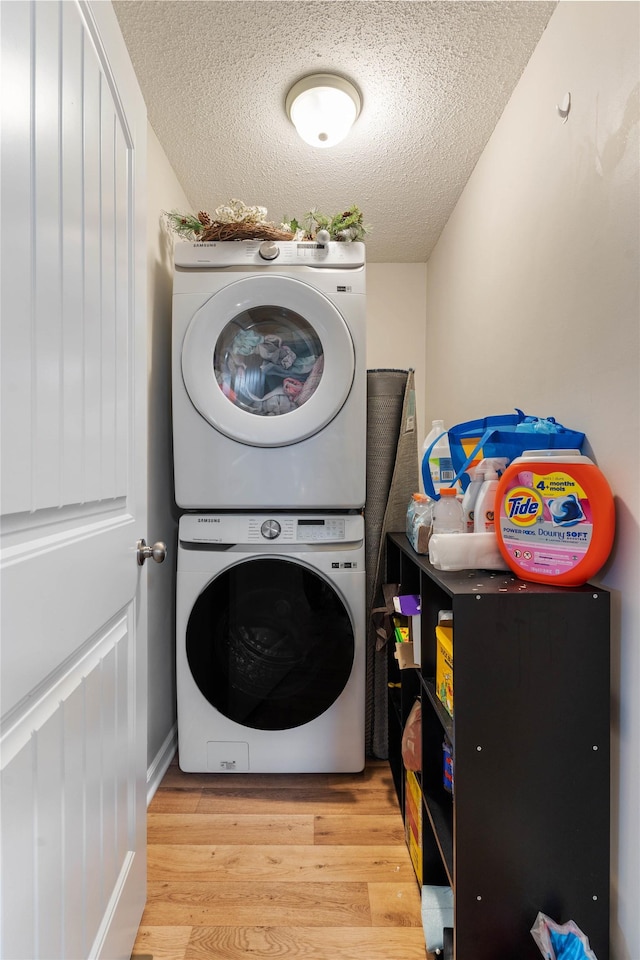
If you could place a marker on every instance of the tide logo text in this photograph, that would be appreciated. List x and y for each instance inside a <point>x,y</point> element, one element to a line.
<point>522,506</point>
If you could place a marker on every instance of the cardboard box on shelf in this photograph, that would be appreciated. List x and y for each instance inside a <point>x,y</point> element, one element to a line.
<point>413,822</point>
<point>405,651</point>
<point>444,667</point>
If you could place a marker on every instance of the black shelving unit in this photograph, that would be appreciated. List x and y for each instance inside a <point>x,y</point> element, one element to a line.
<point>527,829</point>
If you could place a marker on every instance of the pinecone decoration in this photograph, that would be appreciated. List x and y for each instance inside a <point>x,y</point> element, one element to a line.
<point>204,218</point>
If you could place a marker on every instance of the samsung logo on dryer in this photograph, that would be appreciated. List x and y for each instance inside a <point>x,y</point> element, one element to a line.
<point>208,519</point>
<point>204,244</point>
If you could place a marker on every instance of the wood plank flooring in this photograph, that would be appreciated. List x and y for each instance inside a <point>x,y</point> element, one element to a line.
<point>265,866</point>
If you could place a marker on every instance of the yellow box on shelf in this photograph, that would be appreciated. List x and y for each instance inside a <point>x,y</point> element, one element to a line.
<point>413,822</point>
<point>444,667</point>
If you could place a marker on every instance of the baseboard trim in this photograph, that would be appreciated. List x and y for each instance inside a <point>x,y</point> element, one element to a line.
<point>161,762</point>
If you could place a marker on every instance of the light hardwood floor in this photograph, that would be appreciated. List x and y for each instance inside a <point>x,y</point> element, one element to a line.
<point>261,866</point>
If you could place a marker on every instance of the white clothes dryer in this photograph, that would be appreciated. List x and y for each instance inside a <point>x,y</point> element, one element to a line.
<point>270,661</point>
<point>269,375</point>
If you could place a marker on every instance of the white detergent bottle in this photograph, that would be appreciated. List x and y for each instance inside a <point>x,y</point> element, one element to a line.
<point>440,464</point>
<point>484,509</point>
<point>471,496</point>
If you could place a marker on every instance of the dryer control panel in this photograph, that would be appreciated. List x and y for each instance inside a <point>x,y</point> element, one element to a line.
<point>271,528</point>
<point>234,253</point>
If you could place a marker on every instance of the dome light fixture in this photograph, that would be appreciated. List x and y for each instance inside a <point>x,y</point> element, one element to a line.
<point>323,107</point>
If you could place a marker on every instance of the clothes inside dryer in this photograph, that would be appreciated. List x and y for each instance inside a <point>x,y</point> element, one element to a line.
<point>268,360</point>
<point>270,644</point>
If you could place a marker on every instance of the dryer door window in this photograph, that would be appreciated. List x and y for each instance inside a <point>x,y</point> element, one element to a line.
<point>268,361</point>
<point>270,644</point>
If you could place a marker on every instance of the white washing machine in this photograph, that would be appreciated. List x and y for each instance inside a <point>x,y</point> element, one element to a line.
<point>271,643</point>
<point>269,375</point>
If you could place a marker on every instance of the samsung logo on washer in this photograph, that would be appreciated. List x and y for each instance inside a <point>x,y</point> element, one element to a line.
<point>208,519</point>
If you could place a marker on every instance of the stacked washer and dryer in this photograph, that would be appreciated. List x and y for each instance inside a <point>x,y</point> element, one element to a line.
<point>269,436</point>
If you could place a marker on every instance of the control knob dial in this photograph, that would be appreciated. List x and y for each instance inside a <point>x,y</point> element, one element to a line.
<point>270,529</point>
<point>269,250</point>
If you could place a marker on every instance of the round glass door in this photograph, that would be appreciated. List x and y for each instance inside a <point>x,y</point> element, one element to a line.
<point>268,361</point>
<point>270,644</point>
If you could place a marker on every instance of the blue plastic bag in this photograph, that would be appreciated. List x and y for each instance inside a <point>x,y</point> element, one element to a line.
<point>507,435</point>
<point>561,942</point>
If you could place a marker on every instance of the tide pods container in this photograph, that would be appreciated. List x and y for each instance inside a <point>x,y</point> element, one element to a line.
<point>556,517</point>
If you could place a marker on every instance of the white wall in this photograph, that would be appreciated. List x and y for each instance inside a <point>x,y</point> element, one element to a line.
<point>163,193</point>
<point>396,332</point>
<point>533,301</point>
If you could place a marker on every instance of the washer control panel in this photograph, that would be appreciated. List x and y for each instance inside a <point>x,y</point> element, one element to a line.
<point>299,529</point>
<point>216,528</point>
<point>321,528</point>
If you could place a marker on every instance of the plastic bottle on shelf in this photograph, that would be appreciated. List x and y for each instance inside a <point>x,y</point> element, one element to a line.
<point>411,512</point>
<point>419,518</point>
<point>471,495</point>
<point>485,505</point>
<point>440,464</point>
<point>447,513</point>
<point>416,504</point>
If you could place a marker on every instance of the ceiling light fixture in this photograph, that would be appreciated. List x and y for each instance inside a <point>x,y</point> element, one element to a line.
<point>323,107</point>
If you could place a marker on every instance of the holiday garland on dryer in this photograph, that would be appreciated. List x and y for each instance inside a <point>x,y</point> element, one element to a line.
<point>236,221</point>
<point>344,226</point>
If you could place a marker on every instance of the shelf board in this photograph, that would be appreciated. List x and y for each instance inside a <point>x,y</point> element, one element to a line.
<point>445,719</point>
<point>464,582</point>
<point>440,813</point>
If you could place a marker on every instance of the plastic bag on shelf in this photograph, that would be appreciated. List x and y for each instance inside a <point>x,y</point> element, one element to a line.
<point>382,614</point>
<point>561,941</point>
<point>506,435</point>
<point>412,738</point>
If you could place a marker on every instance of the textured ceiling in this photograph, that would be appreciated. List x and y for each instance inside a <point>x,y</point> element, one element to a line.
<point>434,78</point>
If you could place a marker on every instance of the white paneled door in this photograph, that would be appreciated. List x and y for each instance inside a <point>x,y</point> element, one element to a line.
<point>73,668</point>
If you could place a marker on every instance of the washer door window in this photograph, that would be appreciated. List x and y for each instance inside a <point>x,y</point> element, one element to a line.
<point>270,644</point>
<point>268,361</point>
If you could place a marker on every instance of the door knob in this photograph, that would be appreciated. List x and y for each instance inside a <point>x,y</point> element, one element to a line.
<point>157,552</point>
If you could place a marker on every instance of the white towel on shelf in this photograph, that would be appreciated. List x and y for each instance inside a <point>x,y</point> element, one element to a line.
<point>466,551</point>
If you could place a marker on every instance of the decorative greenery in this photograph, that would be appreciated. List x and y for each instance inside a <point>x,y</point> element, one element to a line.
<point>184,224</point>
<point>342,226</point>
<point>235,221</point>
